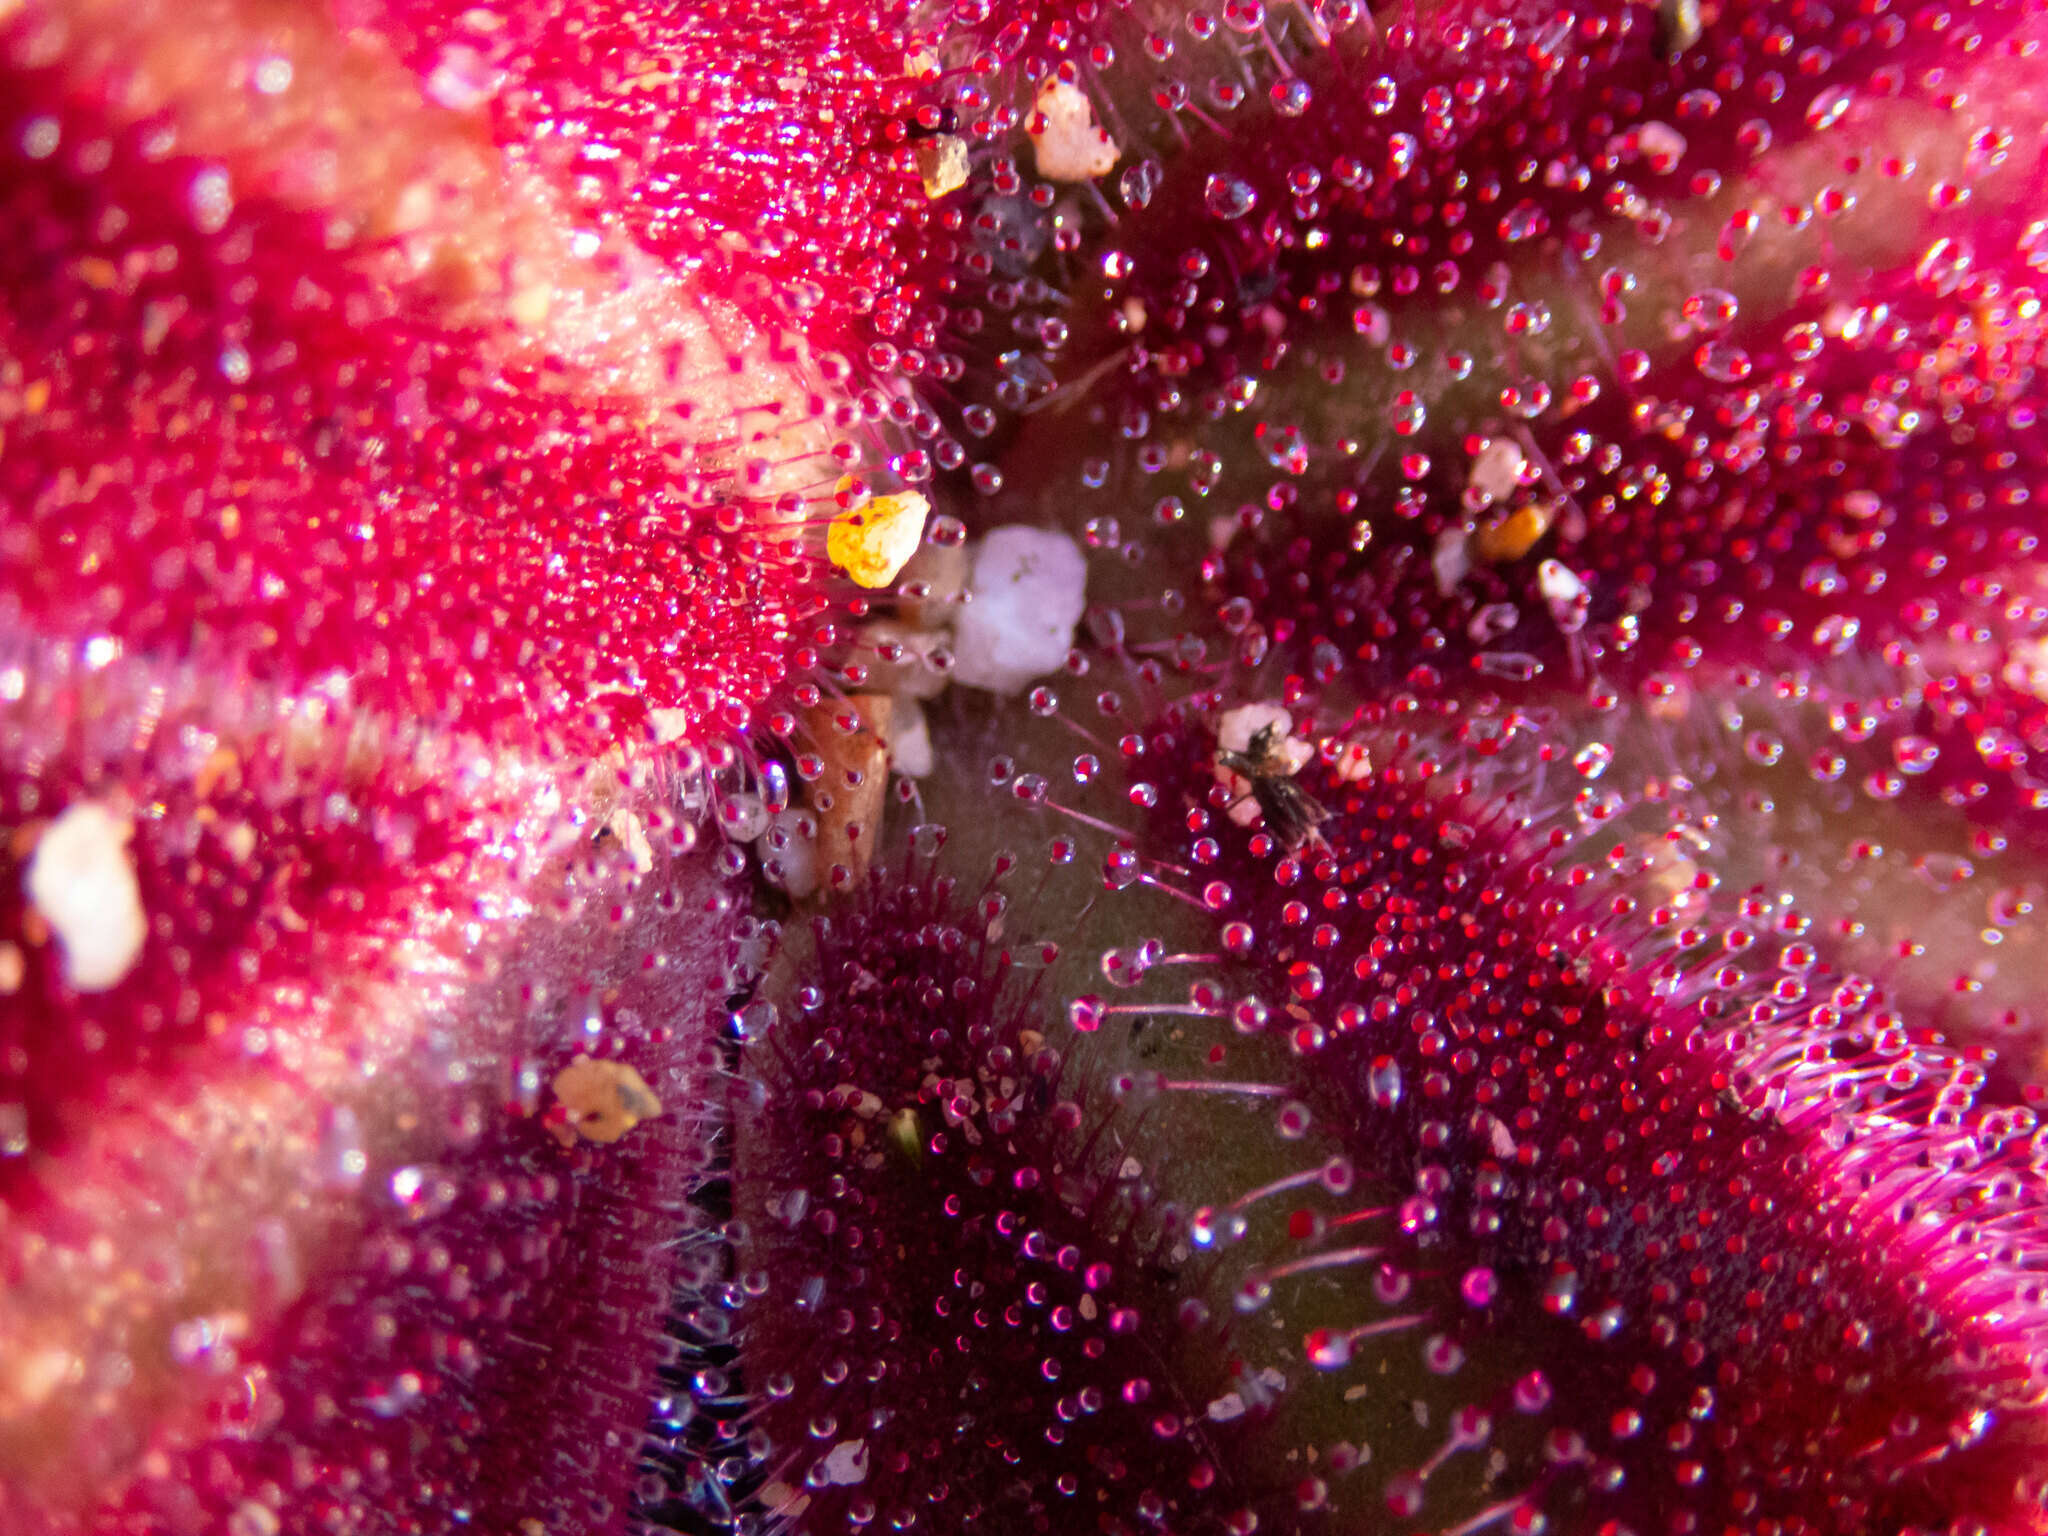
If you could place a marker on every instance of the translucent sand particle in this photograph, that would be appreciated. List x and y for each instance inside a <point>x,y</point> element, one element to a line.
<point>910,740</point>
<point>789,852</point>
<point>81,881</point>
<point>942,165</point>
<point>1026,595</point>
<point>1068,142</point>
<point>1496,471</point>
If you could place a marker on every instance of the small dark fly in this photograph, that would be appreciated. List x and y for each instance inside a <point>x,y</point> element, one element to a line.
<point>1291,813</point>
<point>1254,288</point>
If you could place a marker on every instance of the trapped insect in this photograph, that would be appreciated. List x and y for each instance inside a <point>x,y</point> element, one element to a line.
<point>1291,813</point>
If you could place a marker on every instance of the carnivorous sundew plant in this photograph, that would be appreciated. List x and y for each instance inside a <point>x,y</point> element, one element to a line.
<point>1023,768</point>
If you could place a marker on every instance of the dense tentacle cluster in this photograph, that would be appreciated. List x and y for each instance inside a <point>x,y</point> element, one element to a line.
<point>780,171</point>
<point>1703,532</point>
<point>1646,1161</point>
<point>291,1148</point>
<point>959,1313</point>
<point>421,1316</point>
<point>245,871</point>
<point>1726,439</point>
<point>1566,1212</point>
<point>313,384</point>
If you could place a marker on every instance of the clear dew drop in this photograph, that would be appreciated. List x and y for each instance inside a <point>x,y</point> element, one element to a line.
<point>1327,1349</point>
<point>1139,182</point>
<point>1228,197</point>
<point>1384,1083</point>
<point>1525,221</point>
<point>1710,309</point>
<point>1828,107</point>
<point>1915,754</point>
<point>1723,362</point>
<point>1942,267</point>
<point>1943,871</point>
<point>1407,414</point>
<point>1291,96</point>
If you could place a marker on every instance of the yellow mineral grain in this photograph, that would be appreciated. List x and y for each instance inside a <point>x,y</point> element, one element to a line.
<point>1511,537</point>
<point>604,1099</point>
<point>873,539</point>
